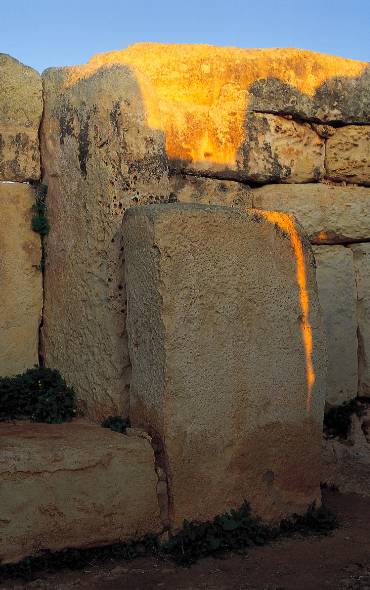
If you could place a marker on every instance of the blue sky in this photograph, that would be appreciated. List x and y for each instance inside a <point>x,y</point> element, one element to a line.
<point>44,33</point>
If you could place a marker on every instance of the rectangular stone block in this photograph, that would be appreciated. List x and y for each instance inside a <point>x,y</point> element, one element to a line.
<point>21,108</point>
<point>329,214</point>
<point>73,485</point>
<point>337,294</point>
<point>20,280</point>
<point>228,356</point>
<point>276,149</point>
<point>361,257</point>
<point>347,155</point>
<point>100,157</point>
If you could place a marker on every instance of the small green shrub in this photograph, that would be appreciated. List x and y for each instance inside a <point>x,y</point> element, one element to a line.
<point>337,420</point>
<point>117,423</point>
<point>234,530</point>
<point>40,223</point>
<point>38,394</point>
<point>239,529</point>
<point>316,520</point>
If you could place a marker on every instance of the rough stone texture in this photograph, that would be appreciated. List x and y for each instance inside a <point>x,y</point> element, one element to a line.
<point>100,157</point>
<point>73,485</point>
<point>204,95</point>
<point>337,294</point>
<point>219,366</point>
<point>281,150</point>
<point>210,191</point>
<point>20,280</point>
<point>346,463</point>
<point>343,97</point>
<point>361,257</point>
<point>20,116</point>
<point>329,214</point>
<point>348,154</point>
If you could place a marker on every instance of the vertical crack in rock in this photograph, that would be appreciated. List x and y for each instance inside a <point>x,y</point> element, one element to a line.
<point>165,500</point>
<point>42,240</point>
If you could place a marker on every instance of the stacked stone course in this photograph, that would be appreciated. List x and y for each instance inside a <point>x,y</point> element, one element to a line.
<point>252,131</point>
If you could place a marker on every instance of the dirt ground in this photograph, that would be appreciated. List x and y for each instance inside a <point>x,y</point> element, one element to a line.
<point>340,561</point>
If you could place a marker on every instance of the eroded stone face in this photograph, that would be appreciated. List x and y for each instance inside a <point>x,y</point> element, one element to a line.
<point>73,485</point>
<point>20,280</point>
<point>210,191</point>
<point>281,150</point>
<point>202,96</point>
<point>100,157</point>
<point>220,362</point>
<point>341,97</point>
<point>329,214</point>
<point>337,294</point>
<point>348,154</point>
<point>361,256</point>
<point>20,115</point>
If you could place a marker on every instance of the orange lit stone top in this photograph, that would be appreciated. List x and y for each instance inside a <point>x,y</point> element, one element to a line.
<point>201,91</point>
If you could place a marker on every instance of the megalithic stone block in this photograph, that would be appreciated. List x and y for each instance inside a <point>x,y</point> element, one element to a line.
<point>228,356</point>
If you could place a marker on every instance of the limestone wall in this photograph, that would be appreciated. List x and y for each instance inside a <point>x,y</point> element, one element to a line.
<point>266,134</point>
<point>284,130</point>
<point>20,248</point>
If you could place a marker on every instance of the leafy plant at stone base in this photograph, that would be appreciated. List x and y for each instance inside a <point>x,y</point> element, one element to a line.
<point>239,529</point>
<point>40,223</point>
<point>337,420</point>
<point>234,531</point>
<point>39,394</point>
<point>117,424</point>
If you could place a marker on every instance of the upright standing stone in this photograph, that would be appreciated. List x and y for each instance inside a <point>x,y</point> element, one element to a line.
<point>100,156</point>
<point>361,256</point>
<point>20,280</point>
<point>20,116</point>
<point>337,295</point>
<point>223,374</point>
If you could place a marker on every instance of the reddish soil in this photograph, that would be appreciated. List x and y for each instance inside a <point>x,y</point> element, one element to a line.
<point>340,561</point>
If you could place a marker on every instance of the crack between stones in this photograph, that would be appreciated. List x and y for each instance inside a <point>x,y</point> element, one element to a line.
<point>42,239</point>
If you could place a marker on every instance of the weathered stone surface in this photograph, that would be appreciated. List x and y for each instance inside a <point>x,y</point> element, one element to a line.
<point>348,154</point>
<point>20,116</point>
<point>222,367</point>
<point>344,97</point>
<point>278,149</point>
<point>210,191</point>
<point>204,95</point>
<point>361,257</point>
<point>73,485</point>
<point>346,463</point>
<point>337,294</point>
<point>329,214</point>
<point>20,280</point>
<point>100,157</point>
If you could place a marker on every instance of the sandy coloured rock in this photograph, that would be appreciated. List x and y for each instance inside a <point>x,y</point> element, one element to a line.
<point>20,116</point>
<point>329,214</point>
<point>73,485</point>
<point>361,257</point>
<point>202,95</point>
<point>221,359</point>
<point>210,191</point>
<point>281,150</point>
<point>100,157</point>
<point>348,154</point>
<point>20,280</point>
<point>337,294</point>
